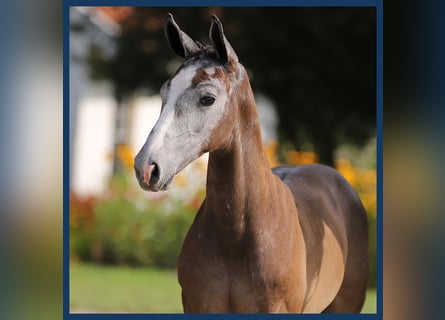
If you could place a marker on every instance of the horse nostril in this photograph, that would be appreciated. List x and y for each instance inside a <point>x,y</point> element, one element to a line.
<point>155,174</point>
<point>151,173</point>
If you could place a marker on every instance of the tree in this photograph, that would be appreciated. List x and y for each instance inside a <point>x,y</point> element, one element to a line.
<point>317,64</point>
<point>319,67</point>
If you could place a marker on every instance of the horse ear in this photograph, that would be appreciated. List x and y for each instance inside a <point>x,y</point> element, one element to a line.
<point>179,41</point>
<point>223,48</point>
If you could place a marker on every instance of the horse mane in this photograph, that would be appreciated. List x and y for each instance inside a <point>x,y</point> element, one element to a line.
<point>205,46</point>
<point>206,54</point>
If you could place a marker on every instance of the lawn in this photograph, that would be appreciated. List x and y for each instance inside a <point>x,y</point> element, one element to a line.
<point>103,289</point>
<point>96,288</point>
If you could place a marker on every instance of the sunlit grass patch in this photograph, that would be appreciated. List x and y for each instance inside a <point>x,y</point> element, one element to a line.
<point>95,288</point>
<point>370,305</point>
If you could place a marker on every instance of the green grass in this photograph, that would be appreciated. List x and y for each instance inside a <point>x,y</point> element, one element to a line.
<point>95,288</point>
<point>370,305</point>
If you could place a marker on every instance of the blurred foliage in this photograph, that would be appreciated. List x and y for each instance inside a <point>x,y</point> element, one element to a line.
<point>120,232</point>
<point>316,64</point>
<point>129,226</point>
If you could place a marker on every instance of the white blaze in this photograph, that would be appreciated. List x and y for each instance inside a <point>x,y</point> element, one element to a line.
<point>178,85</point>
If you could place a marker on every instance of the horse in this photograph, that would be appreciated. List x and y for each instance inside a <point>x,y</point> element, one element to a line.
<point>281,240</point>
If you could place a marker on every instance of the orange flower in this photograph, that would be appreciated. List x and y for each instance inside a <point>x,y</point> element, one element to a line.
<point>125,155</point>
<point>295,157</point>
<point>347,170</point>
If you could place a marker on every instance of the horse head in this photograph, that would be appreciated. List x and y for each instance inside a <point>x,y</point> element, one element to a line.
<point>198,106</point>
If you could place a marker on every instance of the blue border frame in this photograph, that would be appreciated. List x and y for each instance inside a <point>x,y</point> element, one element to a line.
<point>66,164</point>
<point>227,3</point>
<point>378,4</point>
<point>379,100</point>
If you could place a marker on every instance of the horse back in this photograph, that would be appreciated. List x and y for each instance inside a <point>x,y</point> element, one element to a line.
<point>323,195</point>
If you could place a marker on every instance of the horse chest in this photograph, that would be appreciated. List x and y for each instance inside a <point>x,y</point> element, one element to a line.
<point>215,282</point>
<point>206,280</point>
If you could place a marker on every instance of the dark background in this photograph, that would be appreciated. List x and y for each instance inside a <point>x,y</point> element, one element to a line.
<point>316,64</point>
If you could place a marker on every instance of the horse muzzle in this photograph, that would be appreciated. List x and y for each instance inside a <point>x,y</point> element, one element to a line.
<point>149,176</point>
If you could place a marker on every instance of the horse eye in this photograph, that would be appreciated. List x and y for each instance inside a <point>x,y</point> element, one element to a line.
<point>207,100</point>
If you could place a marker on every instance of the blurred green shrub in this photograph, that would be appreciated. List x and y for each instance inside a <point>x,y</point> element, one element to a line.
<point>125,234</point>
<point>81,225</point>
<point>121,233</point>
<point>123,227</point>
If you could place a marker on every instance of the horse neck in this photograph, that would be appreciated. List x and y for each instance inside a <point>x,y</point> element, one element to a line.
<point>239,176</point>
